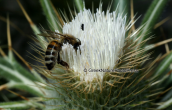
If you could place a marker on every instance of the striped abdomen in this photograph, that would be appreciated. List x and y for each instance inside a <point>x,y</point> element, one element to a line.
<point>51,54</point>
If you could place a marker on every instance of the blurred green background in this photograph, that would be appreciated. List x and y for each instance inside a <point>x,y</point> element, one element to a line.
<point>34,9</point>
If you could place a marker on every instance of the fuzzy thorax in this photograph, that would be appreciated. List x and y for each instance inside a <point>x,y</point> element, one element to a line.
<point>102,41</point>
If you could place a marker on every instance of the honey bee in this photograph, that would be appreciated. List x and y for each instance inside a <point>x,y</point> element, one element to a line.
<point>52,55</point>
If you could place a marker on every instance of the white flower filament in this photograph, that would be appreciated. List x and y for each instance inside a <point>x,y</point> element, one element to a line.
<point>101,41</point>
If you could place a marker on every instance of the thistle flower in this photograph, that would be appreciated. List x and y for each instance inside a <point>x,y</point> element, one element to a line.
<point>102,40</point>
<point>106,44</point>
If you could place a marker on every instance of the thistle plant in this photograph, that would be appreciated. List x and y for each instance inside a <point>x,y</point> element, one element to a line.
<point>112,68</point>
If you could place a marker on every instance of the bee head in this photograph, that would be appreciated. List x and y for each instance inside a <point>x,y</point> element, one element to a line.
<point>77,44</point>
<point>78,41</point>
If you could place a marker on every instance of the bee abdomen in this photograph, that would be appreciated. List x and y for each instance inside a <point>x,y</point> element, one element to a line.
<point>51,54</point>
<point>54,46</point>
<point>49,65</point>
<point>50,61</point>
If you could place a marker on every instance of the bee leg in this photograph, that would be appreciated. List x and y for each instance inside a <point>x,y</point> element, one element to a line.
<point>58,58</point>
<point>80,50</point>
<point>61,62</point>
<point>64,64</point>
<point>76,50</point>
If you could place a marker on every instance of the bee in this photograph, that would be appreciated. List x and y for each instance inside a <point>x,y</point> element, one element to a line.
<point>52,55</point>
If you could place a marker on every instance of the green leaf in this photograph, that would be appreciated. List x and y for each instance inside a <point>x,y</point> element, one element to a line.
<point>7,71</point>
<point>20,105</point>
<point>14,71</point>
<point>28,87</point>
<point>79,4</point>
<point>49,13</point>
<point>24,72</point>
<point>151,17</point>
<point>164,65</point>
<point>122,6</point>
<point>18,77</point>
<point>165,105</point>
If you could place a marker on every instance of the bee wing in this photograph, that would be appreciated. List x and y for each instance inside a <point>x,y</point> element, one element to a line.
<point>48,33</point>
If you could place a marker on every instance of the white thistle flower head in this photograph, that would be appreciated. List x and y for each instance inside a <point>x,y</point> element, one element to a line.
<point>102,41</point>
<point>103,44</point>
